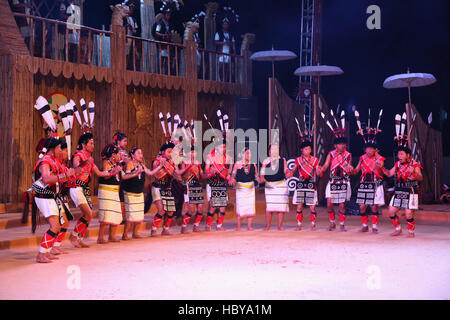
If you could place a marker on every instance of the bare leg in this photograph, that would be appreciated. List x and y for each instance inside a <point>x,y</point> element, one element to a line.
<point>280,220</point>
<point>268,221</point>
<point>238,227</point>
<point>101,233</point>
<point>395,221</point>
<point>112,234</point>
<point>44,255</point>
<point>87,217</point>
<point>249,223</point>
<point>136,234</point>
<point>126,229</point>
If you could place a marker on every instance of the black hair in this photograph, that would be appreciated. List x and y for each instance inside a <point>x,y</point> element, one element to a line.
<point>109,150</point>
<point>52,143</point>
<point>167,145</point>
<point>119,136</point>
<point>84,139</point>
<point>133,151</point>
<point>405,149</point>
<point>63,144</point>
<point>305,144</point>
<point>340,140</point>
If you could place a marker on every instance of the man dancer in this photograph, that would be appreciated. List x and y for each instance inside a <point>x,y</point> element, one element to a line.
<point>338,190</point>
<point>162,189</point>
<point>306,191</point>
<point>370,190</point>
<point>217,169</point>
<point>195,199</point>
<point>407,173</point>
<point>84,166</point>
<point>47,177</point>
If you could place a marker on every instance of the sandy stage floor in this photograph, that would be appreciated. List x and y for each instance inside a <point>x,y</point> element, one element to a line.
<point>242,265</point>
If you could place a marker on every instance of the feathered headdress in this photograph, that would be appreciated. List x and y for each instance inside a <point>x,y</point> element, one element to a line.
<point>401,137</point>
<point>170,5</point>
<point>368,132</point>
<point>179,127</point>
<point>88,124</point>
<point>306,135</point>
<point>66,115</point>
<point>199,16</point>
<point>338,131</point>
<point>228,14</point>
<point>44,110</point>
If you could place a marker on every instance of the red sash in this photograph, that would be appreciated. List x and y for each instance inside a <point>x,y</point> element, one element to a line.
<point>339,160</point>
<point>402,170</point>
<point>368,165</point>
<point>51,162</point>
<point>86,166</point>
<point>306,167</point>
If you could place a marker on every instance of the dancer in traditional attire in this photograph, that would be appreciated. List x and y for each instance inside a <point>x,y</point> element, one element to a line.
<point>133,187</point>
<point>47,177</point>
<point>338,190</point>
<point>84,166</point>
<point>109,213</point>
<point>407,173</point>
<point>195,194</point>
<point>121,142</point>
<point>162,188</point>
<point>63,199</point>
<point>370,188</point>
<point>217,167</point>
<point>243,177</point>
<point>273,174</point>
<point>306,188</point>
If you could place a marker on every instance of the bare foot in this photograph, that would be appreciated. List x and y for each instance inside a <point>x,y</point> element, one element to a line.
<point>280,229</point>
<point>125,237</point>
<point>238,229</point>
<point>342,228</point>
<point>42,258</point>
<point>396,233</point>
<point>332,226</point>
<point>83,245</point>
<point>154,233</point>
<point>57,251</point>
<point>298,228</point>
<point>364,229</point>
<point>166,232</point>
<point>208,228</point>
<point>267,228</point>
<point>137,236</point>
<point>74,241</point>
<point>374,230</point>
<point>51,257</point>
<point>313,227</point>
<point>102,241</point>
<point>196,229</point>
<point>220,229</point>
<point>250,229</point>
<point>113,239</point>
<point>410,235</point>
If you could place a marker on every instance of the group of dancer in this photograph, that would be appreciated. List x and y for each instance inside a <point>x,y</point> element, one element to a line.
<point>180,181</point>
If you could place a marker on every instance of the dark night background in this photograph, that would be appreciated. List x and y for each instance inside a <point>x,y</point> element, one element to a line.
<point>413,34</point>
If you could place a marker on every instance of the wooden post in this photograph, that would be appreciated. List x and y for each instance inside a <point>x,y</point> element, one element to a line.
<point>118,113</point>
<point>191,93</point>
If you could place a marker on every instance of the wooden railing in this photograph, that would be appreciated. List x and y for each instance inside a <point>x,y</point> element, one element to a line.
<point>212,65</point>
<point>153,56</point>
<point>57,40</point>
